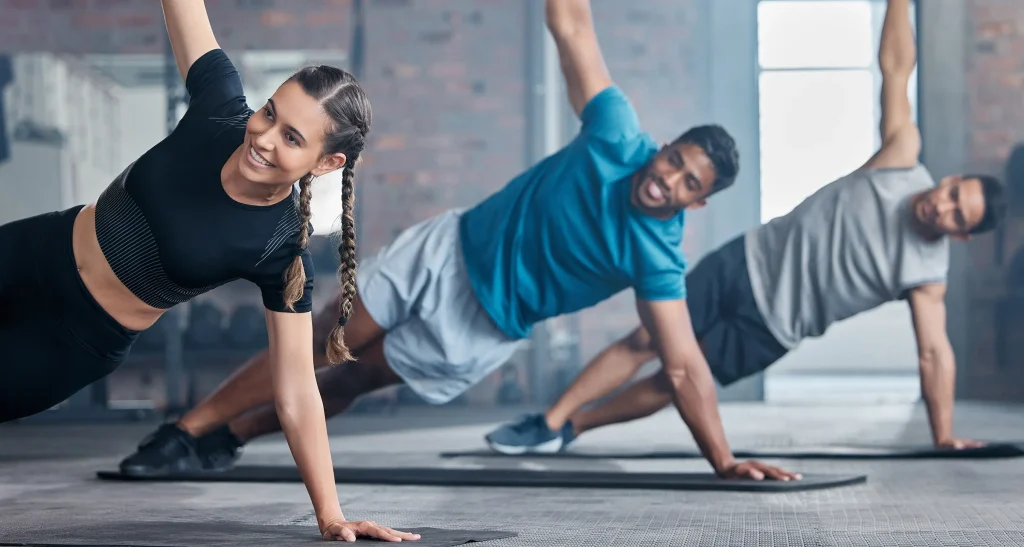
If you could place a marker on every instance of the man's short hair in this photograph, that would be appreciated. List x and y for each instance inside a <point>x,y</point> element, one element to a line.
<point>995,203</point>
<point>720,148</point>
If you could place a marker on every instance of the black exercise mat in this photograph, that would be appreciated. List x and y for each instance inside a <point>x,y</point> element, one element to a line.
<point>830,452</point>
<point>419,476</point>
<point>190,534</point>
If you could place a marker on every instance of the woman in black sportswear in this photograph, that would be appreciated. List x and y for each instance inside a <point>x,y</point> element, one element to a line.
<point>212,202</point>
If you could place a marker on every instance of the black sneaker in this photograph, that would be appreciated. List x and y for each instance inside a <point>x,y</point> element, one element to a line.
<point>219,449</point>
<point>166,451</point>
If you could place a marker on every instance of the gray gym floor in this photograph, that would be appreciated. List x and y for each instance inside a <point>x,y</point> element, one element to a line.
<point>48,492</point>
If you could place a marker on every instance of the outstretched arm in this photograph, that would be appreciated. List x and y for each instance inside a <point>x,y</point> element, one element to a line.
<point>936,361</point>
<point>583,66</point>
<point>694,388</point>
<point>300,411</point>
<point>300,408</point>
<point>188,27</point>
<point>897,55</point>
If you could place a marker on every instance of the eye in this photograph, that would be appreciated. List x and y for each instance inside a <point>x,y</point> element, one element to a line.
<point>267,112</point>
<point>291,138</point>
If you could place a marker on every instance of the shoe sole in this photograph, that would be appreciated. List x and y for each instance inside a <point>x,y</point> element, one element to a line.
<point>547,447</point>
<point>148,472</point>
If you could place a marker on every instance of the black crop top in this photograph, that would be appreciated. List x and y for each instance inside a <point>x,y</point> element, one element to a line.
<point>167,227</point>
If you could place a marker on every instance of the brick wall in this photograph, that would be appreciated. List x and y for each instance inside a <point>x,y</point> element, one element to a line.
<point>447,84</point>
<point>136,26</point>
<point>995,124</point>
<point>446,80</point>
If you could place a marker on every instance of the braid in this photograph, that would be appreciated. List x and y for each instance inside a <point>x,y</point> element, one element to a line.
<point>295,277</point>
<point>336,349</point>
<point>349,111</point>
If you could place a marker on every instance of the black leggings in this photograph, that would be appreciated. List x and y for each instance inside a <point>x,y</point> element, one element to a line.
<point>55,339</point>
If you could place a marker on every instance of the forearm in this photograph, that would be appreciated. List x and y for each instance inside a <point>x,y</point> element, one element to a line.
<point>897,51</point>
<point>938,386</point>
<point>301,413</point>
<point>695,399</point>
<point>189,31</point>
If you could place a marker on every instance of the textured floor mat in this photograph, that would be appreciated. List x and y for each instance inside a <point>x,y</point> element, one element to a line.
<point>853,452</point>
<point>193,534</point>
<point>510,477</point>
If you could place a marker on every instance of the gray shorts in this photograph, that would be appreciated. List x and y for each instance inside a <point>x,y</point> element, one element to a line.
<point>439,338</point>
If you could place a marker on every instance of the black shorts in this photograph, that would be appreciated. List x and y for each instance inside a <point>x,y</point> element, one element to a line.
<point>726,321</point>
<point>55,339</point>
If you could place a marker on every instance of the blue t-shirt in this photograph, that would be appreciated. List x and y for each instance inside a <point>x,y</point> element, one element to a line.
<point>564,235</point>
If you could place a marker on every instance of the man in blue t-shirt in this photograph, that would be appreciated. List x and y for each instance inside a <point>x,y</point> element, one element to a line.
<point>449,301</point>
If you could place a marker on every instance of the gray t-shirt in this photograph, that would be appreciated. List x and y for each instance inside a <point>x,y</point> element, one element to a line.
<point>846,249</point>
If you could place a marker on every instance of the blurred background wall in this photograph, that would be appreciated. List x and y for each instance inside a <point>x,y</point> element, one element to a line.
<point>467,93</point>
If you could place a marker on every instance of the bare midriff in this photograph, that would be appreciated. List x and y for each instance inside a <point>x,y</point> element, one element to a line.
<point>97,275</point>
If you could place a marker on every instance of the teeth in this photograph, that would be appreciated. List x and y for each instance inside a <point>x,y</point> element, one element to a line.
<point>259,159</point>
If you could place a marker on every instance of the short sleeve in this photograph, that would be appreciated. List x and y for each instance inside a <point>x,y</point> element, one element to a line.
<point>660,273</point>
<point>214,86</point>
<point>272,288</point>
<point>610,115</point>
<point>665,285</point>
<point>923,263</point>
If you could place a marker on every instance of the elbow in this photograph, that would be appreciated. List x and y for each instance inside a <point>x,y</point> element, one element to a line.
<point>676,378</point>
<point>552,17</point>
<point>670,380</point>
<point>927,358</point>
<point>639,342</point>
<point>291,413</point>
<point>288,409</point>
<point>695,381</point>
<point>560,31</point>
<point>296,406</point>
<point>935,356</point>
<point>896,67</point>
<point>560,20</point>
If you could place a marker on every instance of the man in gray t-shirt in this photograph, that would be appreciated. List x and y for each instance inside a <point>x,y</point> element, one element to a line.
<point>876,235</point>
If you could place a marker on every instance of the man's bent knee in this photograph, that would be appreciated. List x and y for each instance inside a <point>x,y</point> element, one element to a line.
<point>662,382</point>
<point>640,344</point>
<point>352,379</point>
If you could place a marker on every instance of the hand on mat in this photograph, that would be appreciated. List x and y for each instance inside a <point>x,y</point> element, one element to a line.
<point>959,444</point>
<point>348,531</point>
<point>756,470</point>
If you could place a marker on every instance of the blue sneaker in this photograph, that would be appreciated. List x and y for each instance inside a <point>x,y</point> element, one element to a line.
<point>528,435</point>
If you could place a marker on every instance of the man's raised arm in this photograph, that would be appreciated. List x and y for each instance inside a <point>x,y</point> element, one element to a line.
<point>897,55</point>
<point>583,66</point>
